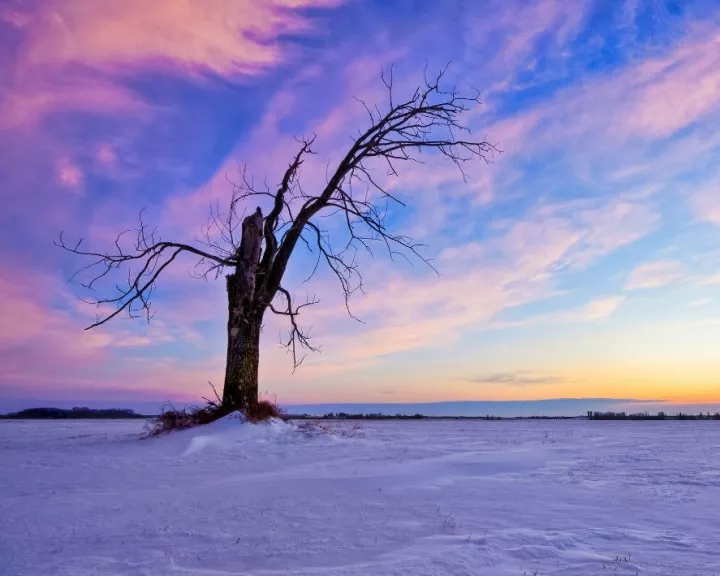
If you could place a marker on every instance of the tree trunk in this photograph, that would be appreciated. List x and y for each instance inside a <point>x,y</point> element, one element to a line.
<point>243,353</point>
<point>245,316</point>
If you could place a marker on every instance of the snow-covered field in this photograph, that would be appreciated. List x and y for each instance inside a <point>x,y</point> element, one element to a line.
<point>411,498</point>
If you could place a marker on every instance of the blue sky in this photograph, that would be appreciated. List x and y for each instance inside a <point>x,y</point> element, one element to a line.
<point>583,262</point>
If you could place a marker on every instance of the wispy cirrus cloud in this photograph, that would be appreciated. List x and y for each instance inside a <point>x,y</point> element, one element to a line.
<point>519,379</point>
<point>225,36</point>
<point>700,302</point>
<point>655,275</point>
<point>522,263</point>
<point>45,351</point>
<point>75,54</point>
<point>598,309</point>
<point>646,100</point>
<point>706,204</point>
<point>659,105</point>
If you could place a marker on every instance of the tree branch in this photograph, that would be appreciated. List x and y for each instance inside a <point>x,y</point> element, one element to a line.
<point>427,121</point>
<point>297,337</point>
<point>152,256</point>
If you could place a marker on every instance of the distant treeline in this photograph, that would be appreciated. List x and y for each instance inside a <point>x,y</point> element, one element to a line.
<point>81,413</point>
<point>648,416</point>
<point>77,413</point>
<point>346,416</point>
<point>590,416</point>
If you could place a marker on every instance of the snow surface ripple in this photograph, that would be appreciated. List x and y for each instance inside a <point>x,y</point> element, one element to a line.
<point>404,498</point>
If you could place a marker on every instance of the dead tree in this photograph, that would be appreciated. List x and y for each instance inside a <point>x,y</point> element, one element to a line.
<point>428,121</point>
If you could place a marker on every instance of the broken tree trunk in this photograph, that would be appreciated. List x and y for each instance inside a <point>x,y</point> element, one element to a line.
<point>244,320</point>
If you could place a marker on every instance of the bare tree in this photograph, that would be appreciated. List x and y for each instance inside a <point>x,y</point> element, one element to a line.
<point>429,120</point>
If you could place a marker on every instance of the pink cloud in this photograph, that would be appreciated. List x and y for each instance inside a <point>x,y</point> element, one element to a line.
<point>39,313</point>
<point>597,309</point>
<point>662,103</point>
<point>34,335</point>
<point>655,275</point>
<point>708,279</point>
<point>610,225</point>
<point>588,229</point>
<point>594,311</point>
<point>267,150</point>
<point>479,281</point>
<point>22,317</point>
<point>706,204</point>
<point>68,173</point>
<point>521,26</point>
<point>45,353</point>
<point>106,155</point>
<point>27,102</point>
<point>228,37</point>
<point>649,99</point>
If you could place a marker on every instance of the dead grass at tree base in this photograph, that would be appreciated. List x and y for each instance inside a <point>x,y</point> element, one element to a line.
<point>172,418</point>
<point>262,411</point>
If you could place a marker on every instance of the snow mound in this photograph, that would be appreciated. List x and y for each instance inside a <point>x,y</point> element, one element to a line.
<point>233,429</point>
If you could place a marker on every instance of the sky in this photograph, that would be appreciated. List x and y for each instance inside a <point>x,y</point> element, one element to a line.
<point>583,262</point>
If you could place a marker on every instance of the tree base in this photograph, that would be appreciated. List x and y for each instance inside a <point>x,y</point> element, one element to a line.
<point>171,418</point>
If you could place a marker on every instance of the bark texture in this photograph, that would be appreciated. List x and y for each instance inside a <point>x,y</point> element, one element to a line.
<point>245,314</point>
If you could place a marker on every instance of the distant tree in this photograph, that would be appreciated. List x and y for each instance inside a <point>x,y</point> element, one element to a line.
<point>74,413</point>
<point>257,254</point>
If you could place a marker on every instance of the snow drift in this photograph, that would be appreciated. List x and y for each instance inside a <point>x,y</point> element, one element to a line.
<point>400,498</point>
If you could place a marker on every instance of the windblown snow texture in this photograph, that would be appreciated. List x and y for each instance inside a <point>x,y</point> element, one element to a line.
<point>404,498</point>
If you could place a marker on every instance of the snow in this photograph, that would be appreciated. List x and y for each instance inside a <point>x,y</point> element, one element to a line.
<point>405,498</point>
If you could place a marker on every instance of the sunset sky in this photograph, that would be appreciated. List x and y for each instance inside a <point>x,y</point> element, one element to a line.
<point>583,263</point>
